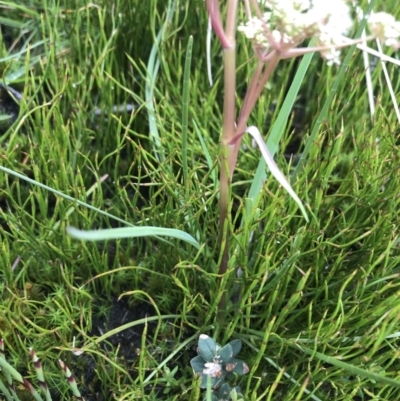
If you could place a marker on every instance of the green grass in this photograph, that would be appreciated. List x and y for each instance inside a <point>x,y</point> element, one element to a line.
<point>317,304</point>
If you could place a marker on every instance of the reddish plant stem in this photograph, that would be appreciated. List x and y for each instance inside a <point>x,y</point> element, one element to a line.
<point>256,87</point>
<point>228,132</point>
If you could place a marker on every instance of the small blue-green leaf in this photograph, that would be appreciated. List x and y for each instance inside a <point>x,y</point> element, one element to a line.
<point>197,364</point>
<point>224,391</point>
<point>130,232</point>
<point>237,366</point>
<point>236,346</point>
<point>225,353</point>
<point>207,347</point>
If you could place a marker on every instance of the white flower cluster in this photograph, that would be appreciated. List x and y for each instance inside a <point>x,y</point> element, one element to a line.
<point>385,27</point>
<point>212,369</point>
<point>289,22</point>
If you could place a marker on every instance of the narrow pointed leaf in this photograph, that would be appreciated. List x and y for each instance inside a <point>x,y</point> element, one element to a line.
<point>130,232</point>
<point>255,133</point>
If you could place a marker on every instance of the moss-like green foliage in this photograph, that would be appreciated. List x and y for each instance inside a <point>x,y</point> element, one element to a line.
<point>315,305</point>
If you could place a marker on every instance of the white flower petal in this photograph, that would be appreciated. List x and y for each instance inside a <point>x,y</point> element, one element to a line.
<point>212,369</point>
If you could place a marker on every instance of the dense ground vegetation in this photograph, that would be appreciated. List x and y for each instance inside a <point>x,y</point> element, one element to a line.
<point>316,305</point>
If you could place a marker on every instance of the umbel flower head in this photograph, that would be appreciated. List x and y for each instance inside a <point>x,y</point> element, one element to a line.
<point>285,24</point>
<point>385,27</point>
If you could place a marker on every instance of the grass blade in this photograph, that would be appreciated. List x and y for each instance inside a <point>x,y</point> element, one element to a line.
<point>185,112</point>
<point>351,369</point>
<point>207,155</point>
<point>131,232</point>
<point>153,66</point>
<point>273,168</point>
<point>276,134</point>
<point>62,195</point>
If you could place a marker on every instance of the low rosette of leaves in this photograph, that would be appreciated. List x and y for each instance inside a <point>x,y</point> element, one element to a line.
<point>226,393</point>
<point>216,363</point>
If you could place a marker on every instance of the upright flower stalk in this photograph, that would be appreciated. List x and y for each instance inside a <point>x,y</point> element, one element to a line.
<point>227,37</point>
<point>276,31</point>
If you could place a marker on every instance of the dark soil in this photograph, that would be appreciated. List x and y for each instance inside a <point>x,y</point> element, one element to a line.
<point>9,107</point>
<point>127,341</point>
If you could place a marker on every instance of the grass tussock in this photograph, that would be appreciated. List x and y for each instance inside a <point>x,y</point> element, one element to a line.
<point>315,305</point>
